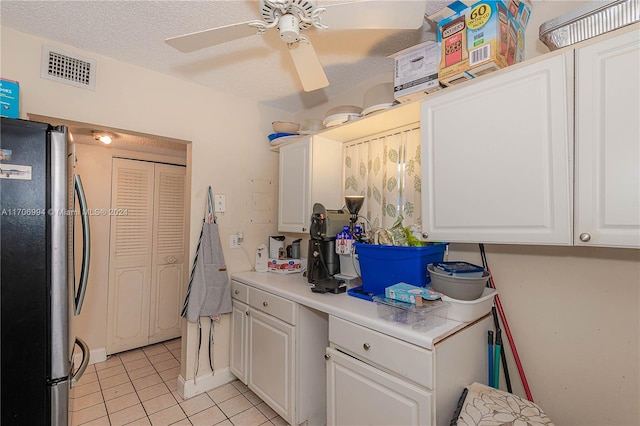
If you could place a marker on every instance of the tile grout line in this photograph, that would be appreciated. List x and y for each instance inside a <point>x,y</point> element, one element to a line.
<point>242,391</point>
<point>136,390</point>
<point>75,410</point>
<point>130,380</point>
<point>163,382</point>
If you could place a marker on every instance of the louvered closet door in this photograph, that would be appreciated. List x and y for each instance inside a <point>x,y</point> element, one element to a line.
<point>130,255</point>
<point>168,260</point>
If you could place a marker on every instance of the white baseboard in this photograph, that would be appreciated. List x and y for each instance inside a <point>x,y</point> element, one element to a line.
<point>95,356</point>
<point>204,383</point>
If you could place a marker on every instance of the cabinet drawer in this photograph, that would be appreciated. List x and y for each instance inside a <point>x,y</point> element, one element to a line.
<point>240,291</point>
<point>273,305</point>
<point>401,358</point>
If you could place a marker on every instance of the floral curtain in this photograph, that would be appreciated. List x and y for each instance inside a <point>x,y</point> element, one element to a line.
<point>386,170</point>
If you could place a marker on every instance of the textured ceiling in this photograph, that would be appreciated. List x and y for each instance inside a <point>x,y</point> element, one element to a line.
<point>256,67</point>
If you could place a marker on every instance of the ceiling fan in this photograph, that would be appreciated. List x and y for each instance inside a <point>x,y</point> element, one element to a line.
<point>291,17</point>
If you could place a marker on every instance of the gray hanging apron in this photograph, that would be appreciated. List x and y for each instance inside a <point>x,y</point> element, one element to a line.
<point>209,293</point>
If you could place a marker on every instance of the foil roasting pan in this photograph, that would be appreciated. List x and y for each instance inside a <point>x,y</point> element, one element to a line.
<point>594,19</point>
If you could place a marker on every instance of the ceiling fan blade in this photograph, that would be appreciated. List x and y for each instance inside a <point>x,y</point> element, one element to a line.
<point>375,15</point>
<point>308,66</point>
<point>211,37</point>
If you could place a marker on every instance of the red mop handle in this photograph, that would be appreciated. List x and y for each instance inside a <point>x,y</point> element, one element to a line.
<point>512,344</point>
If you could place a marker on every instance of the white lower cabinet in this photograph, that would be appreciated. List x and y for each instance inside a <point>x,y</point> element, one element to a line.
<point>357,389</point>
<point>373,378</point>
<point>271,362</point>
<point>239,336</point>
<point>277,350</point>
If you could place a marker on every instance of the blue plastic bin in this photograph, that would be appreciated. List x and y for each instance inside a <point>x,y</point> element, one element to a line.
<point>382,266</point>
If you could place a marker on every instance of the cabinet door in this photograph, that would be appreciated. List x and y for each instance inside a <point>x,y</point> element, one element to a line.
<point>310,172</point>
<point>239,338</point>
<point>455,369</point>
<point>359,394</point>
<point>272,362</point>
<point>130,256</point>
<point>327,170</point>
<point>168,261</point>
<point>608,142</point>
<point>496,157</point>
<point>295,187</point>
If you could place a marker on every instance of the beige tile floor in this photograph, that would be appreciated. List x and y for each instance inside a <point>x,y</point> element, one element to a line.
<point>138,387</point>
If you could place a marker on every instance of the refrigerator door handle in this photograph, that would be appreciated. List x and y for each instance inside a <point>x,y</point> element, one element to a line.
<point>86,244</point>
<point>83,365</point>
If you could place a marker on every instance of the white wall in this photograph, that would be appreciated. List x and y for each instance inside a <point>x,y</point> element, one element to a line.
<point>229,147</point>
<point>574,313</point>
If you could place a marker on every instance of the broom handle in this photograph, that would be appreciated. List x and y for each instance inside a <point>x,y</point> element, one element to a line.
<point>512,344</point>
<point>503,356</point>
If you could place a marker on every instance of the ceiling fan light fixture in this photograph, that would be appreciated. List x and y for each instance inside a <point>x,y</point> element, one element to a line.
<point>292,17</point>
<point>289,28</point>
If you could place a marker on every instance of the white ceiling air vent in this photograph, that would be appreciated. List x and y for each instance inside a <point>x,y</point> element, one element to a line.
<point>68,68</point>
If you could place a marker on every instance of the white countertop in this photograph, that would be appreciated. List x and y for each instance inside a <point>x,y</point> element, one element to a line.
<point>365,313</point>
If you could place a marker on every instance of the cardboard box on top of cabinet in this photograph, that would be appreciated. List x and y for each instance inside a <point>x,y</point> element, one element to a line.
<point>416,72</point>
<point>9,98</point>
<point>479,37</point>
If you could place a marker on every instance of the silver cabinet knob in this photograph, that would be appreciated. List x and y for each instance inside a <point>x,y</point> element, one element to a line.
<point>584,237</point>
<point>327,356</point>
<point>236,291</point>
<point>265,304</point>
<point>171,259</point>
<point>246,313</point>
<point>366,346</point>
<point>425,235</point>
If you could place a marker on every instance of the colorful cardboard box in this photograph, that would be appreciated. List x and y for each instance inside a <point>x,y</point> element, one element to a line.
<point>479,37</point>
<point>416,72</point>
<point>284,266</point>
<point>9,98</point>
<point>410,293</point>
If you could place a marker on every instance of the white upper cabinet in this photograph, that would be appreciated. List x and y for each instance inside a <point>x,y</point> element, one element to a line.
<point>294,187</point>
<point>496,157</point>
<point>310,172</point>
<point>607,172</point>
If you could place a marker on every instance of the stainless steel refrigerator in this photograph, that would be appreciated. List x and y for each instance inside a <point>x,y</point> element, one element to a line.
<point>39,295</point>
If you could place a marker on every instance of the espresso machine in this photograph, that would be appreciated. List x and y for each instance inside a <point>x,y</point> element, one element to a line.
<point>322,261</point>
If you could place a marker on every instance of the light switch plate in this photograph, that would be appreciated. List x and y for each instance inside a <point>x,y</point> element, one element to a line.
<point>219,204</point>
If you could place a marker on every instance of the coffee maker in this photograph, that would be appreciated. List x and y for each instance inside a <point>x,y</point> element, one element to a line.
<point>322,261</point>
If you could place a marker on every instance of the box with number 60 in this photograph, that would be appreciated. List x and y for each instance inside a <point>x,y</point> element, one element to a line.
<point>478,37</point>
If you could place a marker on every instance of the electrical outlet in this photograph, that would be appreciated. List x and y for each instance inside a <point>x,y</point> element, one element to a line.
<point>233,242</point>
